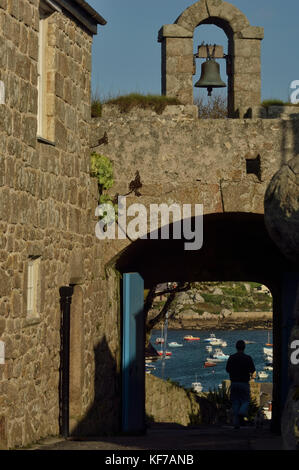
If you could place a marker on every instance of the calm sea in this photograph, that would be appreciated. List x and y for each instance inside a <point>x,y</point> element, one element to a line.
<point>186,364</point>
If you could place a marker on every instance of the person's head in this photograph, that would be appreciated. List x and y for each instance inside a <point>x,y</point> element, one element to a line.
<point>240,345</point>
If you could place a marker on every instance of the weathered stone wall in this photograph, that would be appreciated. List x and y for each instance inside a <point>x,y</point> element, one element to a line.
<point>223,164</point>
<point>168,403</point>
<point>47,202</point>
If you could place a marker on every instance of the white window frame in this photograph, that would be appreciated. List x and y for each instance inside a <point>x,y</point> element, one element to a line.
<point>33,287</point>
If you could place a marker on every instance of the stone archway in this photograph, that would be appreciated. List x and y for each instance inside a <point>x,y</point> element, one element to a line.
<point>236,248</point>
<point>244,51</point>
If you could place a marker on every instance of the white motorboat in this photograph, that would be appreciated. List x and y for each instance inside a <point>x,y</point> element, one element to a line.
<point>268,367</point>
<point>269,360</point>
<point>262,375</point>
<point>218,355</point>
<point>216,342</point>
<point>211,338</point>
<point>196,386</point>
<point>268,351</point>
<point>174,344</point>
<point>209,348</point>
<point>223,344</point>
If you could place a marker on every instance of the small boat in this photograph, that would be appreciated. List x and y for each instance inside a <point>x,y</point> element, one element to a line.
<point>209,348</point>
<point>211,338</point>
<point>167,353</point>
<point>223,344</point>
<point>159,340</point>
<point>216,342</point>
<point>268,351</point>
<point>268,367</point>
<point>197,387</point>
<point>262,375</point>
<point>191,338</point>
<point>210,364</point>
<point>269,360</point>
<point>174,344</point>
<point>249,342</point>
<point>219,355</point>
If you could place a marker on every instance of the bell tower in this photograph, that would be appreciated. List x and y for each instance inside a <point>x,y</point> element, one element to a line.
<point>243,58</point>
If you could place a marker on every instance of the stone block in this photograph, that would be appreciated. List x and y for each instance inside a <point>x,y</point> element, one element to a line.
<point>3,4</point>
<point>251,32</point>
<point>193,16</point>
<point>29,130</point>
<point>173,31</point>
<point>247,48</point>
<point>23,67</point>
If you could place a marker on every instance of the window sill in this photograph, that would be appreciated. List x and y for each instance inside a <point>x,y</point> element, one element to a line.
<point>42,140</point>
<point>32,321</point>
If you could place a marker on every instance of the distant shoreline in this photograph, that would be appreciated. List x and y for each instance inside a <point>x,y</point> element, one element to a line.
<point>234,321</point>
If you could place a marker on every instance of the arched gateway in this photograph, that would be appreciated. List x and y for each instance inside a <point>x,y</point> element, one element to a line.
<point>236,247</point>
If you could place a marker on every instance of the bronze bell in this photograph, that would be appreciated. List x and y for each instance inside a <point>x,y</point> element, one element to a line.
<point>210,76</point>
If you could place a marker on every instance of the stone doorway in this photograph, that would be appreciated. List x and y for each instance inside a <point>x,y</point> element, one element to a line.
<point>236,247</point>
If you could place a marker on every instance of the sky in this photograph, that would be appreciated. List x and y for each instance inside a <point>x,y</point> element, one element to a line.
<point>127,56</point>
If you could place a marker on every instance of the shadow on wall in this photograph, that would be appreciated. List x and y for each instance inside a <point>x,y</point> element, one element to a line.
<point>104,415</point>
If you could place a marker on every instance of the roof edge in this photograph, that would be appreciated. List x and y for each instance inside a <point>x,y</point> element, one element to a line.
<point>84,13</point>
<point>91,11</point>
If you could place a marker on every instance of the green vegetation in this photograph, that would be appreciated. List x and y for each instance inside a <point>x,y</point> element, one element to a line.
<point>275,102</point>
<point>96,105</point>
<point>155,102</point>
<point>220,398</point>
<point>101,167</point>
<point>133,100</point>
<point>96,108</point>
<point>234,297</point>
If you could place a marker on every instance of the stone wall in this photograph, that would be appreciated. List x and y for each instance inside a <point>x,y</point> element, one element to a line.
<point>168,403</point>
<point>224,164</point>
<point>47,202</point>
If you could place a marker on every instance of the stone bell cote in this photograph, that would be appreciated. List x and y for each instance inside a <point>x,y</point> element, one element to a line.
<point>243,58</point>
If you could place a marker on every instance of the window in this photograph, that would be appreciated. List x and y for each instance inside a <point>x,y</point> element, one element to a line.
<point>33,287</point>
<point>44,129</point>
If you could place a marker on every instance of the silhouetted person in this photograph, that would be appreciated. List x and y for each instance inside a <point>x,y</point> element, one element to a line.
<point>240,367</point>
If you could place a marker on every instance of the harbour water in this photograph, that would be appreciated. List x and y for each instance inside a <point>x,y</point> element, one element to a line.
<point>186,363</point>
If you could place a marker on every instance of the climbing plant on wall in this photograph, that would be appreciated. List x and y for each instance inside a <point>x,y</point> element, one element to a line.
<point>101,167</point>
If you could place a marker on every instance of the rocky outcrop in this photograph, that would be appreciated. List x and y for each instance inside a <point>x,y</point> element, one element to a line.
<point>220,306</point>
<point>225,320</point>
<point>282,209</point>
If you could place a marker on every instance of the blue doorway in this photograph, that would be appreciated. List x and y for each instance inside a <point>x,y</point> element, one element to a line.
<point>133,360</point>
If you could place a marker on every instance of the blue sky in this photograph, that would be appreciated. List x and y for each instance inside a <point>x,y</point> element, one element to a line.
<point>127,56</point>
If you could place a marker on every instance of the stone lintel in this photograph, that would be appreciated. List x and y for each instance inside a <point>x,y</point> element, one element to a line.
<point>251,32</point>
<point>173,31</point>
